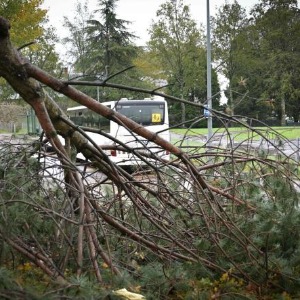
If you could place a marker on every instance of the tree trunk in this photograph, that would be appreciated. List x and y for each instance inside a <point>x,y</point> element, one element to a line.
<point>283,113</point>
<point>183,114</point>
<point>231,102</point>
<point>182,106</point>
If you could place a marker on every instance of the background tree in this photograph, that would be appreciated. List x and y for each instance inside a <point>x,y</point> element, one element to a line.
<point>24,14</point>
<point>277,24</point>
<point>111,45</point>
<point>79,62</point>
<point>101,47</point>
<point>228,48</point>
<point>28,14</point>
<point>43,53</point>
<point>78,50</point>
<point>178,46</point>
<point>110,39</point>
<point>259,55</point>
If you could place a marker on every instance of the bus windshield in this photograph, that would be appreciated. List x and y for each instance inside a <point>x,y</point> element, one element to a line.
<point>145,113</point>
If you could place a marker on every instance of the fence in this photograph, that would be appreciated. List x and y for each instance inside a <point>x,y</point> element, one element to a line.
<point>33,125</point>
<point>26,123</point>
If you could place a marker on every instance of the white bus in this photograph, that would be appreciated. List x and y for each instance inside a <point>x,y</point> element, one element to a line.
<point>150,113</point>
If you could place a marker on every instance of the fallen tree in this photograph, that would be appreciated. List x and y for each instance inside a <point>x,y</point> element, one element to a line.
<point>209,210</point>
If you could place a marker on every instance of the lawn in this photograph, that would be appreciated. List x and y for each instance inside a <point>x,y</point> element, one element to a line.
<point>242,133</point>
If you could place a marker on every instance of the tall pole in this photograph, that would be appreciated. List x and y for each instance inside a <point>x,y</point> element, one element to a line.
<point>209,100</point>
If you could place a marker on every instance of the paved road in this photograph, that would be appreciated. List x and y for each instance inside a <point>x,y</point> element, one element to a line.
<point>272,147</point>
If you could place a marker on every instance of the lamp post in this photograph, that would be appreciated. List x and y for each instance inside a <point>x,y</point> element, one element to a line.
<point>208,56</point>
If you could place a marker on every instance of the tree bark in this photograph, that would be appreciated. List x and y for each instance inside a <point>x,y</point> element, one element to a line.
<point>283,113</point>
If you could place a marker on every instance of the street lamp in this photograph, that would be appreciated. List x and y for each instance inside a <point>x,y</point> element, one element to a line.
<point>209,100</point>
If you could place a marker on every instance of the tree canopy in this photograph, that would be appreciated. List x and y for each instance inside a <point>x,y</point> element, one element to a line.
<point>37,41</point>
<point>101,45</point>
<point>259,55</point>
<point>179,49</point>
<point>24,14</point>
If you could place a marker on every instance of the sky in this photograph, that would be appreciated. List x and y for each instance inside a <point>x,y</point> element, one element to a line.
<point>139,12</point>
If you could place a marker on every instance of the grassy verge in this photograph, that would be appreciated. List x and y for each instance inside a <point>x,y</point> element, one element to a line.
<point>241,133</point>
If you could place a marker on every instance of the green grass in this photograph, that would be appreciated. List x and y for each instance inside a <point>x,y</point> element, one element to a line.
<point>242,133</point>
<point>186,143</point>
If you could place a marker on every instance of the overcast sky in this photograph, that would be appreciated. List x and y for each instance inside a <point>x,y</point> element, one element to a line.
<point>139,12</point>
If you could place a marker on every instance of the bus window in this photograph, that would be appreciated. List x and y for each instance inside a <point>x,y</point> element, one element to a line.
<point>87,118</point>
<point>76,117</point>
<point>103,123</point>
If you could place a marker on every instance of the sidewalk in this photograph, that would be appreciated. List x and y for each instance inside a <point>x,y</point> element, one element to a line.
<point>5,136</point>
